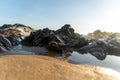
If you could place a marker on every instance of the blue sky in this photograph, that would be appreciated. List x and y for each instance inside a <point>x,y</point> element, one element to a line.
<point>84,15</point>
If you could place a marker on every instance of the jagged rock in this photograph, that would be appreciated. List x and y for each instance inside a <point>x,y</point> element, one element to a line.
<point>18,30</point>
<point>14,40</point>
<point>98,52</point>
<point>96,47</point>
<point>2,49</point>
<point>100,48</point>
<point>11,35</point>
<point>66,32</point>
<point>60,40</point>
<point>44,37</point>
<point>6,43</point>
<point>114,41</point>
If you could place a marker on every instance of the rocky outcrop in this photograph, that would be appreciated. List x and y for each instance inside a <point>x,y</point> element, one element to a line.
<point>65,40</point>
<point>11,35</point>
<point>98,34</point>
<point>61,40</point>
<point>100,48</point>
<point>114,41</point>
<point>7,42</point>
<point>96,47</point>
<point>18,30</point>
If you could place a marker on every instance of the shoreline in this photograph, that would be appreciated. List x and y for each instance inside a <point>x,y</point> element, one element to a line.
<point>33,67</point>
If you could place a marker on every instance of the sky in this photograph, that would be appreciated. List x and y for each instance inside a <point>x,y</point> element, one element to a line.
<point>84,15</point>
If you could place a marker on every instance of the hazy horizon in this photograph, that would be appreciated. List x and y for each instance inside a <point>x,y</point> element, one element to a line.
<point>84,15</point>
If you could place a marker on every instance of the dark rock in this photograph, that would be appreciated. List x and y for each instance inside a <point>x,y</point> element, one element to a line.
<point>100,48</point>
<point>2,49</point>
<point>14,40</point>
<point>114,41</point>
<point>66,32</point>
<point>61,40</point>
<point>5,43</point>
<point>114,50</point>
<point>54,46</point>
<point>98,52</point>
<point>95,48</point>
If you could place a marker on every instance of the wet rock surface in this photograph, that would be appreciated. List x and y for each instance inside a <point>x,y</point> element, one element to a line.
<point>7,42</point>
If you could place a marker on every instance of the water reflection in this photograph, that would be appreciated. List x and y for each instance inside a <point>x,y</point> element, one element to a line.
<point>100,49</point>
<point>109,61</point>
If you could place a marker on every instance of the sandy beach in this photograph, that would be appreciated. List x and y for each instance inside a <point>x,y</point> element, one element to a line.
<point>33,67</point>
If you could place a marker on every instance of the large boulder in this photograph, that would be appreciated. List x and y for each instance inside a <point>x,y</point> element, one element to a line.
<point>97,48</point>
<point>62,39</point>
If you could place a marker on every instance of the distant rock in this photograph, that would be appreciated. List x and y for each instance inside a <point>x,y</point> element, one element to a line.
<point>98,34</point>
<point>18,30</point>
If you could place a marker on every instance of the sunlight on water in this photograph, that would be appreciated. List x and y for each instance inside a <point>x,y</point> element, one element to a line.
<point>109,62</point>
<point>111,73</point>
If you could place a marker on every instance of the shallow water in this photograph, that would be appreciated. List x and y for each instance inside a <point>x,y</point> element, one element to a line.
<point>19,50</point>
<point>28,50</point>
<point>110,61</point>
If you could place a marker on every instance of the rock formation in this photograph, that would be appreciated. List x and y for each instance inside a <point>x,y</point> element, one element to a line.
<point>18,30</point>
<point>114,41</point>
<point>6,43</point>
<point>65,40</point>
<point>61,40</point>
<point>98,34</point>
<point>100,48</point>
<point>11,35</point>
